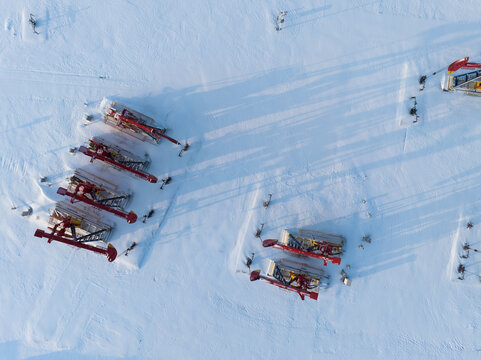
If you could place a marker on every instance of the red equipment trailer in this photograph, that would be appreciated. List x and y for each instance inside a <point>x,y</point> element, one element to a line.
<point>87,188</point>
<point>71,226</point>
<point>117,157</point>
<point>134,123</point>
<point>327,247</point>
<point>288,275</point>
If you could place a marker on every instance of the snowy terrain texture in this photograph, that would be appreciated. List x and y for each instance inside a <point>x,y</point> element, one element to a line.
<point>315,114</point>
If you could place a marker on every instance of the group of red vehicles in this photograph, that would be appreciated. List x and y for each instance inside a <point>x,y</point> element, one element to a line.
<point>73,222</point>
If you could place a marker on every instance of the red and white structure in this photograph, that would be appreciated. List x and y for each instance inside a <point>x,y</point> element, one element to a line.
<point>134,123</point>
<point>292,276</point>
<point>117,157</point>
<point>74,227</point>
<point>463,75</point>
<point>323,246</point>
<point>93,191</point>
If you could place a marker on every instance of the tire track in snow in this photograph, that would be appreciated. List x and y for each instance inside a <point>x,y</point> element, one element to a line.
<point>71,320</point>
<point>60,78</point>
<point>248,316</point>
<point>65,326</point>
<point>403,118</point>
<point>453,259</point>
<point>43,304</point>
<point>402,95</point>
<point>18,167</point>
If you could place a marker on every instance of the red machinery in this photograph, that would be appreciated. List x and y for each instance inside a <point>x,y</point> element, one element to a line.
<point>85,192</point>
<point>464,76</point>
<point>326,247</point>
<point>293,278</point>
<point>134,122</point>
<point>462,64</point>
<point>98,192</point>
<point>69,227</point>
<point>118,158</point>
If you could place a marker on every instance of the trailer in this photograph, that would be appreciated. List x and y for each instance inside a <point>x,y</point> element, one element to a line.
<point>117,157</point>
<point>94,191</point>
<point>464,76</point>
<point>289,275</point>
<point>324,246</point>
<point>133,123</point>
<point>75,227</point>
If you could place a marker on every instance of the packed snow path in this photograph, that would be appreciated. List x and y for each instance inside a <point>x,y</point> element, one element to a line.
<point>310,113</point>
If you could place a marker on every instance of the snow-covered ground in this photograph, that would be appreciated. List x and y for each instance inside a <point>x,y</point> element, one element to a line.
<point>314,114</point>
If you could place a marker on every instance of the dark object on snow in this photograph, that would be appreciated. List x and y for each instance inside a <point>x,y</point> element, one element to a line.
<point>344,278</point>
<point>367,239</point>
<point>165,182</point>
<point>43,179</point>
<point>469,225</point>
<point>422,82</point>
<point>126,253</point>
<point>268,201</point>
<point>461,270</point>
<point>414,110</point>
<point>280,20</point>
<point>185,148</point>
<point>149,215</point>
<point>33,21</point>
<point>249,261</point>
<point>466,249</point>
<point>27,212</point>
<point>423,78</point>
<point>259,231</point>
<point>89,117</point>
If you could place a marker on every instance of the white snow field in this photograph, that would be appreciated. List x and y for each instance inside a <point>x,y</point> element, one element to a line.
<point>315,114</point>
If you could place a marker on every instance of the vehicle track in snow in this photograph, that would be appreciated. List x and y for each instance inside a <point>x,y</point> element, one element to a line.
<point>41,77</point>
<point>55,324</point>
<point>11,165</point>
<point>40,330</point>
